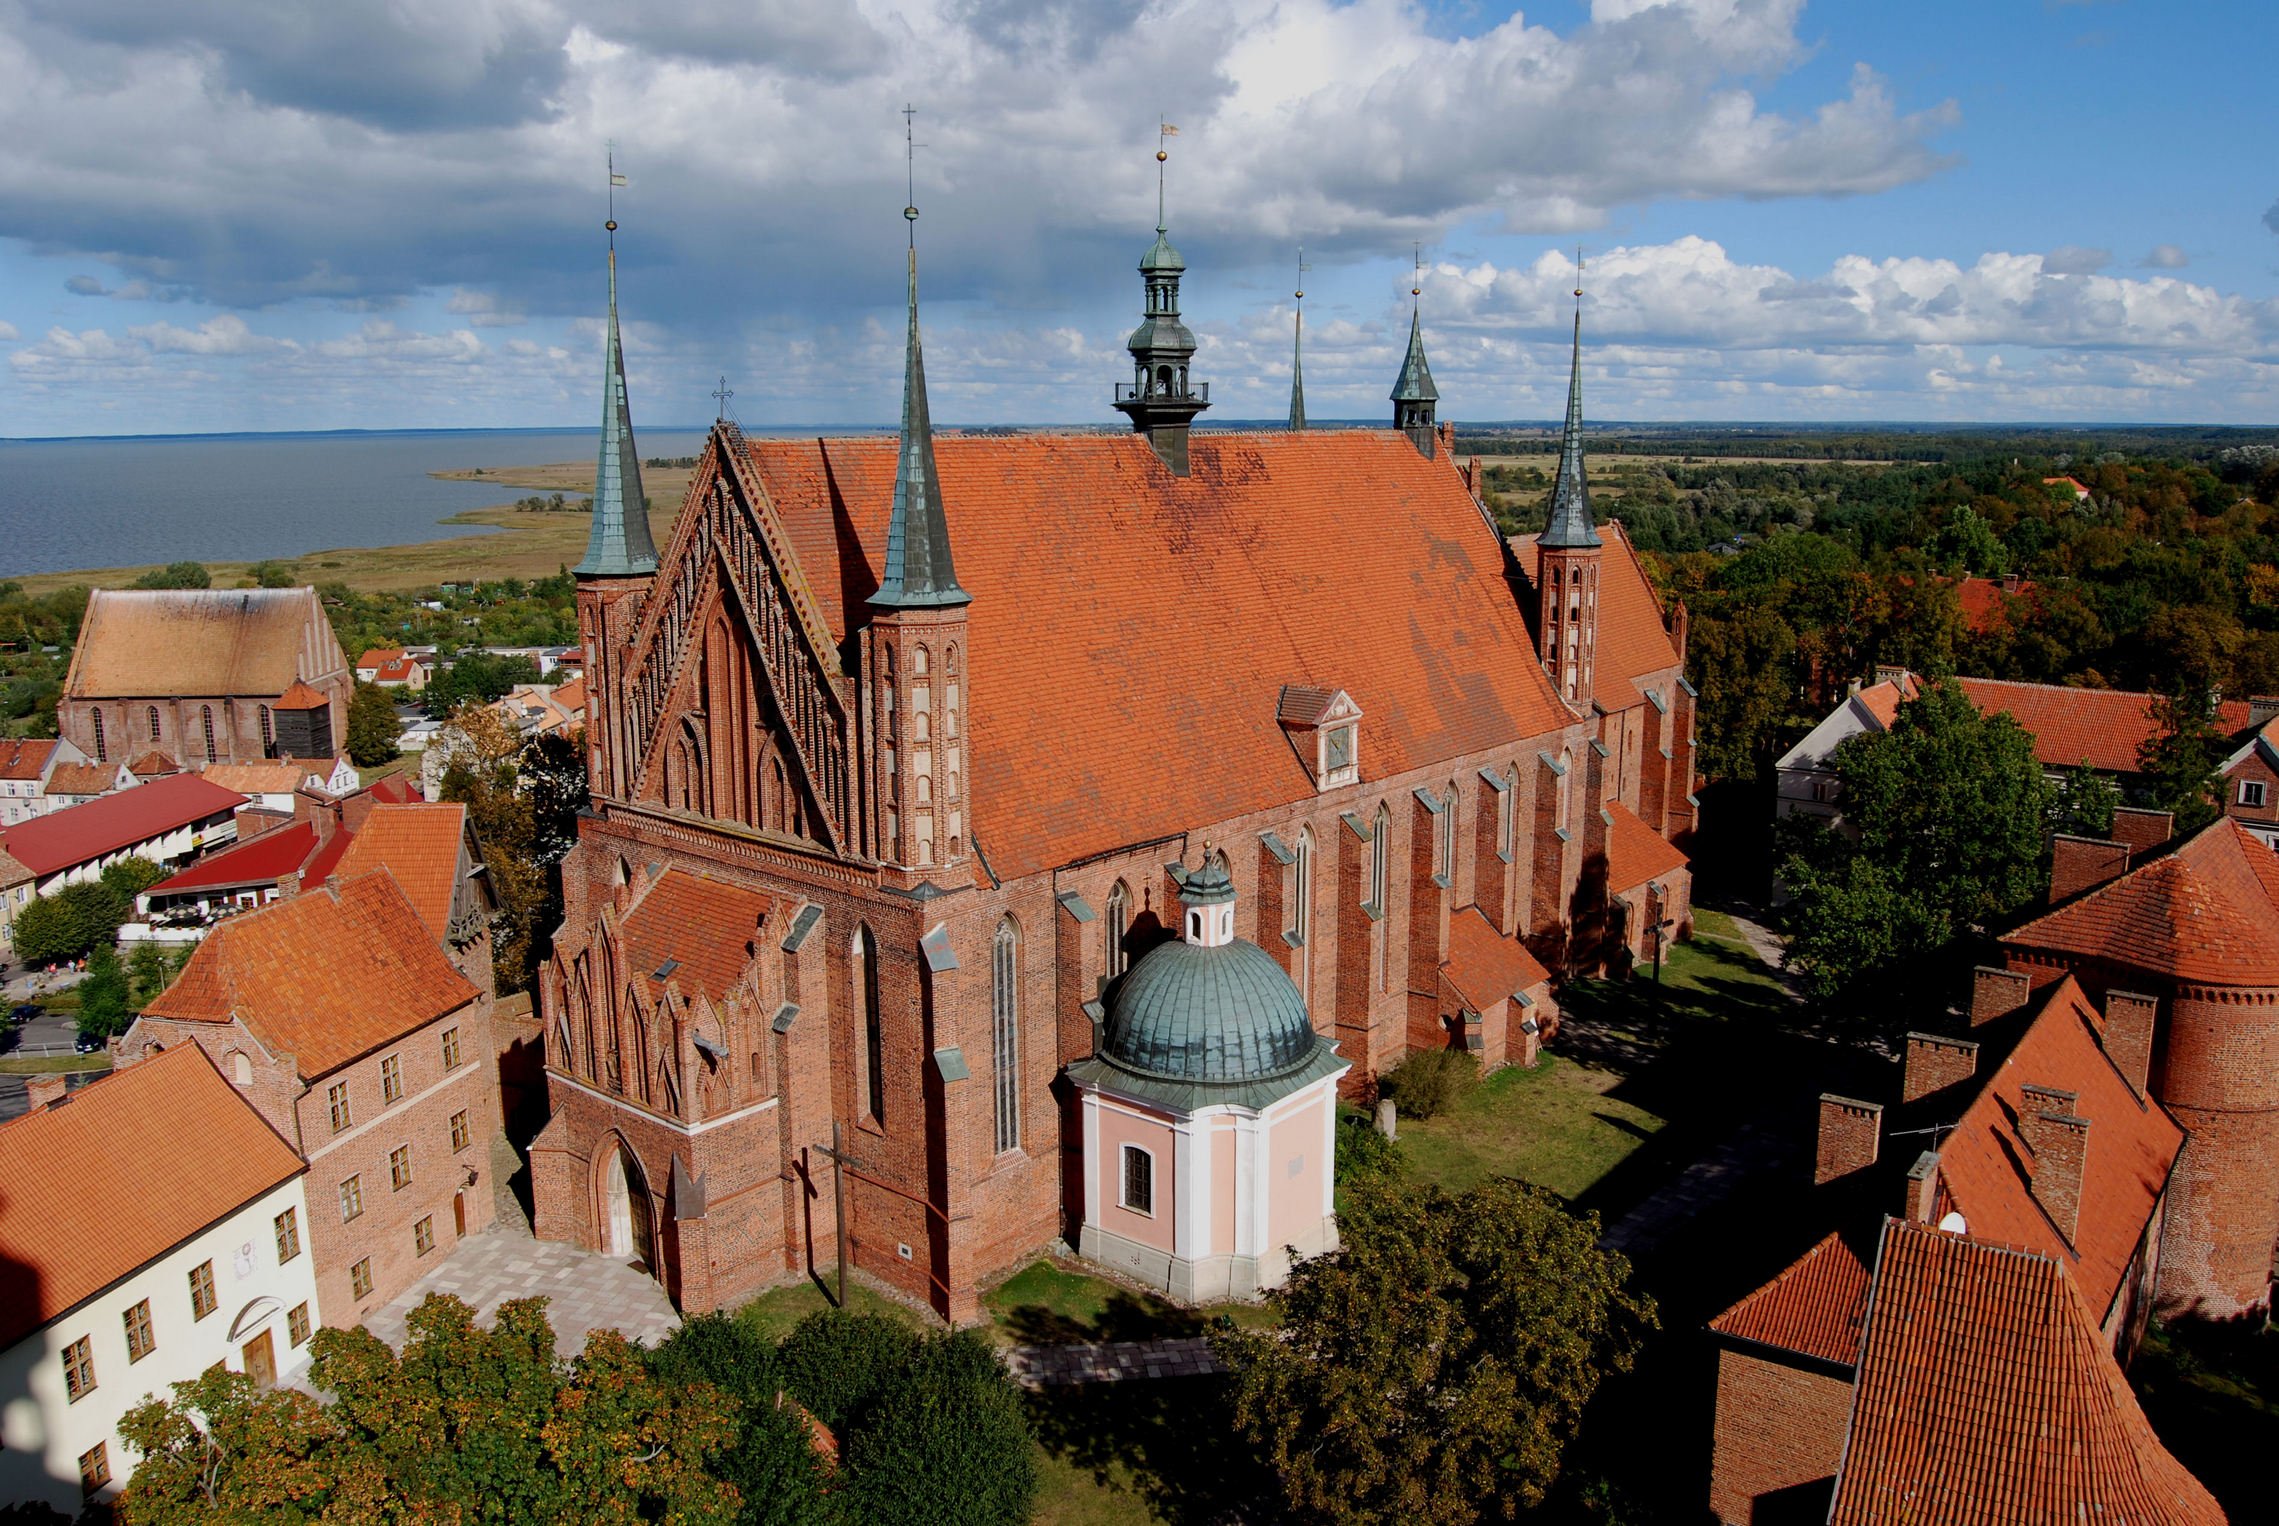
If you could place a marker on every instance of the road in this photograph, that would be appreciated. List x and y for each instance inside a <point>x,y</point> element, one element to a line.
<point>49,1033</point>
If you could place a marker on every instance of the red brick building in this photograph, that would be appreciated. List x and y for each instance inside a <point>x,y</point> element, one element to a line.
<point>903,750</point>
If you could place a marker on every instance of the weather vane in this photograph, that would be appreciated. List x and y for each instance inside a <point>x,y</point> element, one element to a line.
<point>1163,132</point>
<point>1303,267</point>
<point>1578,273</point>
<point>1416,277</point>
<point>615,180</point>
<point>910,147</point>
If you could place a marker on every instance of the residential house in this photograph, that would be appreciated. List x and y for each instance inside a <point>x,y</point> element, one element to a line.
<point>152,1226</point>
<point>166,821</point>
<point>545,709</point>
<point>394,668</point>
<point>272,783</point>
<point>25,764</point>
<point>70,784</point>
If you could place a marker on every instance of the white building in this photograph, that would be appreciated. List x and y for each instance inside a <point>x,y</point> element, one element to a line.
<point>151,1225</point>
<point>26,765</point>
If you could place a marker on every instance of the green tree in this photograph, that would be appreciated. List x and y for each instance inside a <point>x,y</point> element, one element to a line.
<point>177,575</point>
<point>834,1362</point>
<point>947,1442</point>
<point>2083,802</point>
<point>2180,761</point>
<point>1944,815</point>
<point>373,729</point>
<point>475,676</point>
<point>223,1449</point>
<point>484,776</point>
<point>68,924</point>
<point>272,574</point>
<point>103,995</point>
<point>772,1463</point>
<point>1435,1367</point>
<point>1969,545</point>
<point>128,878</point>
<point>147,975</point>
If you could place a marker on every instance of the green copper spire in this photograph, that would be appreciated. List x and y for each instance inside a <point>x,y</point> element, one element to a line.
<point>919,574</point>
<point>1298,352</point>
<point>1415,384</point>
<point>1570,527</point>
<point>620,545</point>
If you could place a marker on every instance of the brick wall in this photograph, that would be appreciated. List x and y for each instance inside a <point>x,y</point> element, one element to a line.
<point>1779,1437</point>
<point>2221,1080</point>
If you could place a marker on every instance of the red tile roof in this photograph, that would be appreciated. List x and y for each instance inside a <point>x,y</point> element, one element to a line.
<point>2208,911</point>
<point>83,778</point>
<point>375,656</point>
<point>396,789</point>
<point>1133,630</point>
<point>1987,1397</point>
<point>299,696</point>
<point>1986,1168</point>
<point>1633,646</point>
<point>1988,605</point>
<point>105,825</point>
<point>1816,1307</point>
<point>1635,853</point>
<point>102,1183</point>
<point>262,860</point>
<point>702,926</point>
<point>326,977</point>
<point>1882,700</point>
<point>22,758</point>
<point>200,643</point>
<point>2100,727</point>
<point>153,763</point>
<point>1483,965</point>
<point>419,845</point>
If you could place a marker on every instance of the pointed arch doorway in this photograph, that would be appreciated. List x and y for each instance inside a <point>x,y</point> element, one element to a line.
<point>628,1227</point>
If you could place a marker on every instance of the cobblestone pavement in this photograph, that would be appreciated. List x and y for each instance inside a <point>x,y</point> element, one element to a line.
<point>1186,1356</point>
<point>1750,1151</point>
<point>585,1290</point>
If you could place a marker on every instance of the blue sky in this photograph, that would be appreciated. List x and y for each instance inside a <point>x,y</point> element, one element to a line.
<point>258,214</point>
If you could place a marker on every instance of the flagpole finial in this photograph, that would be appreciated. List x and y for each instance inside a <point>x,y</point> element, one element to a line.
<point>910,172</point>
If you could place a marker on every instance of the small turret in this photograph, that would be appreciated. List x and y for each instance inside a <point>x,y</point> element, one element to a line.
<point>1159,400</point>
<point>1416,401</point>
<point>1568,552</point>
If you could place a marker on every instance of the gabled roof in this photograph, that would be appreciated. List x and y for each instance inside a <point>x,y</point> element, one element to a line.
<point>12,872</point>
<point>262,860</point>
<point>395,789</point>
<point>1087,559</point>
<point>1484,965</point>
<point>1633,644</point>
<point>1882,700</point>
<point>300,696</point>
<point>1816,1307</point>
<point>119,1173</point>
<point>1986,603</point>
<point>376,656</point>
<point>2208,911</point>
<point>418,844</point>
<point>2100,727</point>
<point>327,976</point>
<point>1636,854</point>
<point>152,764</point>
<point>1986,1168</point>
<point>84,778</point>
<point>703,927</point>
<point>111,822</point>
<point>278,776</point>
<point>25,757</point>
<point>200,643</point>
<point>1986,1395</point>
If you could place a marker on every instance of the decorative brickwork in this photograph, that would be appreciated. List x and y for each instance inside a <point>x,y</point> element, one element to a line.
<point>1936,1062</point>
<point>1850,1132</point>
<point>1780,1436</point>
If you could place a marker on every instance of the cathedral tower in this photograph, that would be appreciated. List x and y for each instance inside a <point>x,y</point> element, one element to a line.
<point>620,561</point>
<point>1568,574</point>
<point>916,650</point>
<point>1159,400</point>
<point>1416,401</point>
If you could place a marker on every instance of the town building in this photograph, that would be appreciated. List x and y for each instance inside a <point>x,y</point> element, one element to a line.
<point>272,783</point>
<point>340,1018</point>
<point>70,784</point>
<point>394,668</point>
<point>152,1225</point>
<point>206,675</point>
<point>545,709</point>
<point>300,851</point>
<point>166,821</point>
<point>25,766</point>
<point>903,751</point>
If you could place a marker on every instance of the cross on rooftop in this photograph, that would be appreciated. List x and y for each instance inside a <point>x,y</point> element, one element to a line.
<point>721,394</point>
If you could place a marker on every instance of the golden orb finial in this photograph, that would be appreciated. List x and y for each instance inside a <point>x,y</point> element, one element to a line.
<point>1160,156</point>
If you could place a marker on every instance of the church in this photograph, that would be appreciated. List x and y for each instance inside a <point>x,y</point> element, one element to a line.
<point>1016,839</point>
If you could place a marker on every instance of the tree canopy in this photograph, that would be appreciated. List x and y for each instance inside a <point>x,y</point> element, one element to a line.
<point>373,729</point>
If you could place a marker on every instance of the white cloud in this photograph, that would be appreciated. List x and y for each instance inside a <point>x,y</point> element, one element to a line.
<point>8,334</point>
<point>2164,257</point>
<point>2075,260</point>
<point>484,310</point>
<point>226,334</point>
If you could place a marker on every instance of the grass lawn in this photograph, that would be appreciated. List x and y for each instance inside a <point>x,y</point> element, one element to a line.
<point>1050,1302</point>
<point>1130,1454</point>
<point>2212,1392</point>
<point>774,1313</point>
<point>52,1064</point>
<point>1554,1126</point>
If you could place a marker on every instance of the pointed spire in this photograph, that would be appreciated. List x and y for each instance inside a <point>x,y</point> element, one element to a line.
<point>1570,526</point>
<point>919,573</point>
<point>619,545</point>
<point>1415,383</point>
<point>1298,352</point>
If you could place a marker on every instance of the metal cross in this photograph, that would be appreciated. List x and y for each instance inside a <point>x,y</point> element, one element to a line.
<point>721,394</point>
<point>840,1160</point>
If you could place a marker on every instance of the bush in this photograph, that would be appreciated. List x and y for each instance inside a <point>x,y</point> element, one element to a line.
<point>73,921</point>
<point>1430,1081</point>
<point>835,1362</point>
<point>271,574</point>
<point>1363,1154</point>
<point>177,575</point>
<point>946,1445</point>
<point>772,1461</point>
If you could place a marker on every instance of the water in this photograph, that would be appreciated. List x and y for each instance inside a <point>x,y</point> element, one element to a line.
<point>69,504</point>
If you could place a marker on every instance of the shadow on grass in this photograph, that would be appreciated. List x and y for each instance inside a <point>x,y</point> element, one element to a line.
<point>2211,1391</point>
<point>1125,1316</point>
<point>1170,1441</point>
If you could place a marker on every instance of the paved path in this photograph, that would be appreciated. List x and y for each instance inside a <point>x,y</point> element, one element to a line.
<point>1765,944</point>
<point>586,1291</point>
<point>1187,1356</point>
<point>1749,1151</point>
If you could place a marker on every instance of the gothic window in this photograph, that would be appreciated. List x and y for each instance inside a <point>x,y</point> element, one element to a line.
<point>1504,814</point>
<point>1005,1026</point>
<point>1302,904</point>
<point>873,1040</point>
<point>1380,851</point>
<point>154,723</point>
<point>1119,925</point>
<point>1444,849</point>
<point>268,736</point>
<point>100,755</point>
<point>950,693</point>
<point>206,718</point>
<point>919,667</point>
<point>1576,577</point>
<point>1566,777</point>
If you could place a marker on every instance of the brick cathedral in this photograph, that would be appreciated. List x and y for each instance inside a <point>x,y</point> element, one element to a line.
<point>1060,821</point>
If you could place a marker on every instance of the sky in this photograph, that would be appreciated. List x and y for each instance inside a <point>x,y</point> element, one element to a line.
<point>272,215</point>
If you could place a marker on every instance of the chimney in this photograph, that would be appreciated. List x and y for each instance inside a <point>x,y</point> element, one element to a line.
<point>2128,1037</point>
<point>1849,1133</point>
<point>1922,1203</point>
<point>1936,1062</point>
<point>2060,1142</point>
<point>2141,829</point>
<point>40,1091</point>
<point>2082,863</point>
<point>1994,992</point>
<point>2262,710</point>
<point>1889,672</point>
<point>2010,581</point>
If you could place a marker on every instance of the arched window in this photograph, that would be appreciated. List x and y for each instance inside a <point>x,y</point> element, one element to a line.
<point>100,755</point>
<point>206,718</point>
<point>1566,777</point>
<point>1380,851</point>
<point>1444,849</point>
<point>925,789</point>
<point>918,664</point>
<point>921,727</point>
<point>154,723</point>
<point>1005,1032</point>
<point>1504,814</point>
<point>1576,577</point>
<point>1119,927</point>
<point>268,737</point>
<point>873,1040</point>
<point>1302,904</point>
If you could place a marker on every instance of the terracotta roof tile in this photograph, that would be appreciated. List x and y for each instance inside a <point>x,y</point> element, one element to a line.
<point>1816,1307</point>
<point>197,643</point>
<point>1484,965</point>
<point>326,977</point>
<point>12,871</point>
<point>24,758</point>
<point>277,776</point>
<point>262,860</point>
<point>1882,700</point>
<point>1988,605</point>
<point>299,696</point>
<point>1635,853</point>
<point>1178,607</point>
<point>84,778</point>
<point>375,656</point>
<point>153,763</point>
<point>104,825</point>
<point>2208,911</point>
<point>1986,1169</point>
<point>396,789</point>
<point>102,1183</point>
<point>2100,727</point>
<point>703,927</point>
<point>419,845</point>
<point>1986,1396</point>
<point>1633,644</point>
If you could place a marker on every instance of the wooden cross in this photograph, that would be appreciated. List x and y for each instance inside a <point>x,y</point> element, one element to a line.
<point>840,1160</point>
<point>721,394</point>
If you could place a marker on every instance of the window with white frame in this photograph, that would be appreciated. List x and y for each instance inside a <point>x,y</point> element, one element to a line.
<point>2251,792</point>
<point>1139,1180</point>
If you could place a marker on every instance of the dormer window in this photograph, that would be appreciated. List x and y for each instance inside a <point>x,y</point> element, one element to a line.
<point>1324,725</point>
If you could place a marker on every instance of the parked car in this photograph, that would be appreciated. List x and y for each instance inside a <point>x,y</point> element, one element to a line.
<point>88,1043</point>
<point>24,1012</point>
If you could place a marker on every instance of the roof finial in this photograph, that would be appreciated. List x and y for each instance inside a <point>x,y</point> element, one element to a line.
<point>618,544</point>
<point>609,148</point>
<point>910,172</point>
<point>1416,278</point>
<point>1163,130</point>
<point>1298,349</point>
